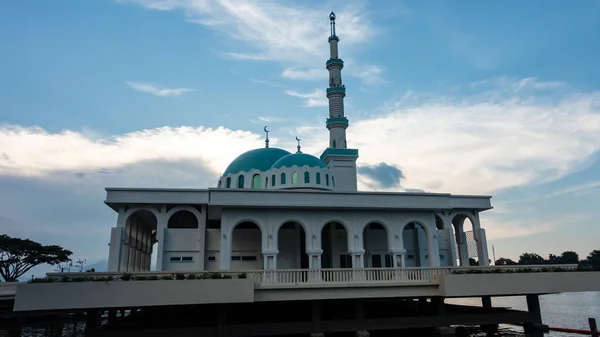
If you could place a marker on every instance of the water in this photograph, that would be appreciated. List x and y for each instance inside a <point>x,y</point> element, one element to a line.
<point>568,310</point>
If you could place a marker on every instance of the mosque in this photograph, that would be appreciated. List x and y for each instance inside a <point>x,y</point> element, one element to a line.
<point>274,209</point>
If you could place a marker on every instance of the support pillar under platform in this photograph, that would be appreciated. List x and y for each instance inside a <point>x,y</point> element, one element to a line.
<point>489,329</point>
<point>535,328</point>
<point>91,320</point>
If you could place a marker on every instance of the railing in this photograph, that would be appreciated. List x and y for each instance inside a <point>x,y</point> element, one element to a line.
<point>323,277</point>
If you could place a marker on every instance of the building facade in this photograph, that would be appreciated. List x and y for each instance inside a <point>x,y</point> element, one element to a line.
<point>274,209</point>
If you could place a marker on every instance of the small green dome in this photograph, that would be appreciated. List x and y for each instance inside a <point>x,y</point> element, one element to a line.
<point>299,159</point>
<point>259,159</point>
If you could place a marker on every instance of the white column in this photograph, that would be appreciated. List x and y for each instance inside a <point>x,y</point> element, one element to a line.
<point>270,259</point>
<point>399,257</point>
<point>482,250</point>
<point>357,258</point>
<point>451,242</point>
<point>225,250</point>
<point>433,249</point>
<point>314,258</point>
<point>115,249</point>
<point>201,238</point>
<point>161,232</point>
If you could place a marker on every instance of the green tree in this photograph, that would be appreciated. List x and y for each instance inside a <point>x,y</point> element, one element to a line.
<point>594,259</point>
<point>17,256</point>
<point>530,259</point>
<point>505,261</point>
<point>569,257</point>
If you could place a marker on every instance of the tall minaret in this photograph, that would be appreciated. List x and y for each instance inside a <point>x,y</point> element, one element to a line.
<point>340,159</point>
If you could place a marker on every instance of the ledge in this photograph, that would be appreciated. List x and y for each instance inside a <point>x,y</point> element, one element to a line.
<point>119,294</point>
<point>339,152</point>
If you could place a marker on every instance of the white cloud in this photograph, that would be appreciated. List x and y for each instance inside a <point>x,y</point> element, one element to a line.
<point>272,31</point>
<point>316,98</point>
<point>305,74</point>
<point>465,145</point>
<point>158,90</point>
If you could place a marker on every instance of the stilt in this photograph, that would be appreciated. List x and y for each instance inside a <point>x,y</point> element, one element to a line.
<point>91,320</point>
<point>360,317</point>
<point>316,320</point>
<point>221,322</point>
<point>535,328</point>
<point>489,329</point>
<point>112,316</point>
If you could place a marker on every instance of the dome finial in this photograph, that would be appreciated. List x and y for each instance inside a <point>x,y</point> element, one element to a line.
<point>267,137</point>
<point>298,140</point>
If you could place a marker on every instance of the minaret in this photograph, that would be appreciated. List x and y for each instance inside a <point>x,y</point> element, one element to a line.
<point>340,159</point>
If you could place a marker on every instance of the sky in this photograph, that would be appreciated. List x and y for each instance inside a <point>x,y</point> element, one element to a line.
<point>494,98</point>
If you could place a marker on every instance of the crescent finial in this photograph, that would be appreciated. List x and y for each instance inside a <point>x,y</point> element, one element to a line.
<point>298,139</point>
<point>266,129</point>
<point>267,137</point>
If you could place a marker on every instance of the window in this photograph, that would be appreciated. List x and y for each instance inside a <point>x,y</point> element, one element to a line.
<point>243,258</point>
<point>219,185</point>
<point>318,178</point>
<point>375,261</point>
<point>228,182</point>
<point>333,181</point>
<point>283,179</point>
<point>181,259</point>
<point>241,182</point>
<point>306,178</point>
<point>410,256</point>
<point>266,182</point>
<point>327,179</point>
<point>346,261</point>
<point>294,177</point>
<point>256,181</point>
<point>334,144</point>
<point>212,258</point>
<point>441,257</point>
<point>273,180</point>
<point>388,261</point>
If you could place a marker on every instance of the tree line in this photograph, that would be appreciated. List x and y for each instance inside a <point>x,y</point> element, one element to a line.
<point>591,262</point>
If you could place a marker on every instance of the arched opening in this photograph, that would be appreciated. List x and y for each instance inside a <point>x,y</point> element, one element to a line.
<point>291,243</point>
<point>465,243</point>
<point>439,223</point>
<point>294,177</point>
<point>416,243</point>
<point>246,247</point>
<point>140,237</point>
<point>318,178</point>
<point>283,179</point>
<point>241,181</point>
<point>334,242</point>
<point>306,177</point>
<point>256,181</point>
<point>334,144</point>
<point>228,182</point>
<point>219,184</point>
<point>375,241</point>
<point>273,180</point>
<point>327,179</point>
<point>332,181</point>
<point>182,219</point>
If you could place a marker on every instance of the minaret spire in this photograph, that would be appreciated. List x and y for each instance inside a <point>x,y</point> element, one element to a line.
<point>338,157</point>
<point>337,122</point>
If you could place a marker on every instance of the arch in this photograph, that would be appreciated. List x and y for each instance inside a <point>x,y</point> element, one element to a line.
<point>334,143</point>
<point>376,242</point>
<point>140,235</point>
<point>241,181</point>
<point>335,243</point>
<point>291,245</point>
<point>439,223</point>
<point>464,248</point>
<point>266,182</point>
<point>273,180</point>
<point>326,179</point>
<point>246,248</point>
<point>283,178</point>
<point>318,178</point>
<point>228,182</point>
<point>183,219</point>
<point>306,177</point>
<point>413,240</point>
<point>332,181</point>
<point>294,177</point>
<point>256,181</point>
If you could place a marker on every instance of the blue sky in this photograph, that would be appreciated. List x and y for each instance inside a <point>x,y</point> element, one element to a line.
<point>498,98</point>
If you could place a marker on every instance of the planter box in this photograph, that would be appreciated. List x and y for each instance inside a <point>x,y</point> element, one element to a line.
<point>128,294</point>
<point>466,285</point>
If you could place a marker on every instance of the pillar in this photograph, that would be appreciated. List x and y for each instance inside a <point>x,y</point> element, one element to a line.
<point>535,328</point>
<point>314,258</point>
<point>115,253</point>
<point>482,250</point>
<point>399,256</point>
<point>131,242</point>
<point>201,237</point>
<point>357,258</point>
<point>91,320</point>
<point>489,329</point>
<point>161,232</point>
<point>461,242</point>
<point>433,248</point>
<point>315,329</point>
<point>451,243</point>
<point>270,259</point>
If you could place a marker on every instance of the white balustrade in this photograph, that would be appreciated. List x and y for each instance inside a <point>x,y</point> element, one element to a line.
<point>320,277</point>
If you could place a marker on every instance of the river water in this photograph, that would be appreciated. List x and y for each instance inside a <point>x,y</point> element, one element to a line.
<point>568,310</point>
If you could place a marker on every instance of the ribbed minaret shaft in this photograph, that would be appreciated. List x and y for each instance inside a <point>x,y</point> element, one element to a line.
<point>337,122</point>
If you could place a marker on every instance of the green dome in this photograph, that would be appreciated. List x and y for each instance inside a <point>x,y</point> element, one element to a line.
<point>299,159</point>
<point>259,159</point>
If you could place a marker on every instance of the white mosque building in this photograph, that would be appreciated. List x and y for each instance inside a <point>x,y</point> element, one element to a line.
<point>274,209</point>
